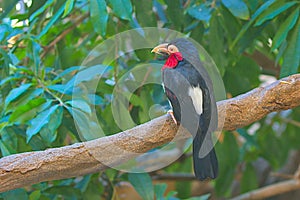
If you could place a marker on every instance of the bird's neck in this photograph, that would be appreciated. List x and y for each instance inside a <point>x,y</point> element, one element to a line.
<point>173,60</point>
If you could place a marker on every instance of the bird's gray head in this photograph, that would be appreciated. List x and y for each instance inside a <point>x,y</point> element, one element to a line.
<point>186,47</point>
<point>180,45</point>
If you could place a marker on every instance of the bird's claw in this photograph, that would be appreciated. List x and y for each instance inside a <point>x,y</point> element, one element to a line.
<point>170,112</point>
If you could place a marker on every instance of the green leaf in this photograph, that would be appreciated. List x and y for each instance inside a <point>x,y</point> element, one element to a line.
<point>24,98</point>
<point>41,10</point>
<point>7,6</point>
<point>159,190</point>
<point>273,12</point>
<point>200,12</point>
<point>99,16</point>
<point>3,125</point>
<point>291,56</point>
<point>243,82</point>
<point>7,79</point>
<point>144,14</point>
<point>36,48</point>
<point>68,7</point>
<point>88,128</point>
<point>36,143</point>
<point>95,99</point>
<point>84,183</point>
<point>253,18</point>
<point>281,50</point>
<point>16,92</point>
<point>5,29</point>
<point>68,71</point>
<point>249,179</point>
<point>66,192</point>
<point>35,195</point>
<point>142,183</point>
<point>203,197</point>
<point>183,189</point>
<point>9,139</point>
<point>52,20</point>
<point>24,109</point>
<point>216,43</point>
<point>87,74</point>
<point>4,149</point>
<point>19,194</point>
<point>284,28</point>
<point>134,99</point>
<point>237,7</point>
<point>48,132</point>
<point>39,121</point>
<point>160,10</point>
<point>61,88</point>
<point>175,13</point>
<point>227,163</point>
<point>80,104</point>
<point>122,8</point>
<point>94,188</point>
<point>123,118</point>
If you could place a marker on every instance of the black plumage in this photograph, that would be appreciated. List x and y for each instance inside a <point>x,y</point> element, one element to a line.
<point>180,82</point>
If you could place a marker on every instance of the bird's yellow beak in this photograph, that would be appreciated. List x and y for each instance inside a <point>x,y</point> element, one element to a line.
<point>161,49</point>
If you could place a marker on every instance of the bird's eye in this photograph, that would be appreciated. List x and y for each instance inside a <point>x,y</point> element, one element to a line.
<point>172,48</point>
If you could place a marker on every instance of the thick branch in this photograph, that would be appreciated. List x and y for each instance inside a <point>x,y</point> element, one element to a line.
<point>254,105</point>
<point>24,169</point>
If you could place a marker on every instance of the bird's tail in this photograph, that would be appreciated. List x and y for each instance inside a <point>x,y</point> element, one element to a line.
<point>207,166</point>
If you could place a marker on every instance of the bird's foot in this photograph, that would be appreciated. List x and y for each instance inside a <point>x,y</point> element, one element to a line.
<point>170,112</point>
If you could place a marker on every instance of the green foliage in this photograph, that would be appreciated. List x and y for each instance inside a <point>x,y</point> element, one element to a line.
<point>228,156</point>
<point>237,7</point>
<point>143,185</point>
<point>99,16</point>
<point>44,88</point>
<point>249,179</point>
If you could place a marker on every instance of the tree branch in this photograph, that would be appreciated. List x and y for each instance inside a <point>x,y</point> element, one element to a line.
<point>271,190</point>
<point>274,189</point>
<point>25,169</point>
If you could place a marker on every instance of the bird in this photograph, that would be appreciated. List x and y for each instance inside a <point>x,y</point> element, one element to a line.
<point>189,90</point>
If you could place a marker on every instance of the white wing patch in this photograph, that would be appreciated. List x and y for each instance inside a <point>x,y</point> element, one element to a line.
<point>197,97</point>
<point>163,86</point>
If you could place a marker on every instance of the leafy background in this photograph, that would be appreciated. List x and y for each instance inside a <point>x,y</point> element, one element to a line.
<point>43,43</point>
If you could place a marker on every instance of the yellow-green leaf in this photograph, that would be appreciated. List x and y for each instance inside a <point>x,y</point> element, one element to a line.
<point>68,7</point>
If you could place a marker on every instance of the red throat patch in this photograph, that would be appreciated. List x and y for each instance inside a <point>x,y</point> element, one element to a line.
<point>173,60</point>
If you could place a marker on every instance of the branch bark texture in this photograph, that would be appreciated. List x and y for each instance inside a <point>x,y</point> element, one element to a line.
<point>25,169</point>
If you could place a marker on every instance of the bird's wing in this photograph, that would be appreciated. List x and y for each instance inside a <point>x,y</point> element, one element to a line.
<point>189,97</point>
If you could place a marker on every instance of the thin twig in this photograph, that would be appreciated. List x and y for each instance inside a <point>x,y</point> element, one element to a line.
<point>176,177</point>
<point>290,121</point>
<point>271,190</point>
<point>274,189</point>
<point>280,175</point>
<point>63,34</point>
